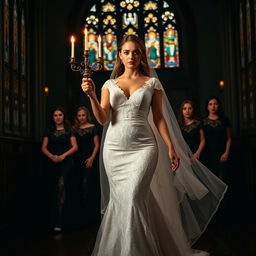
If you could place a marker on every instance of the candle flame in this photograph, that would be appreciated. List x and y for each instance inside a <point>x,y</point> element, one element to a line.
<point>72,39</point>
<point>99,38</point>
<point>85,31</point>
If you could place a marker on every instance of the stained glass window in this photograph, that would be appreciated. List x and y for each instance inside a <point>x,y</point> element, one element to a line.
<point>15,105</point>
<point>15,37</point>
<point>6,31</point>
<point>153,20</point>
<point>249,30</point>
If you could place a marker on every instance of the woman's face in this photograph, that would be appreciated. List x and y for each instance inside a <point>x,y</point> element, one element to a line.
<point>213,106</point>
<point>187,110</point>
<point>58,117</point>
<point>82,116</point>
<point>130,55</point>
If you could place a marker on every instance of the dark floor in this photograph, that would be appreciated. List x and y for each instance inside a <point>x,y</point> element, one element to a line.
<point>217,241</point>
<point>232,231</point>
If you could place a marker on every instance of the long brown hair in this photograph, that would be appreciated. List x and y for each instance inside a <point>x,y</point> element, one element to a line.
<point>76,122</point>
<point>66,123</point>
<point>181,120</point>
<point>143,67</point>
<point>220,112</point>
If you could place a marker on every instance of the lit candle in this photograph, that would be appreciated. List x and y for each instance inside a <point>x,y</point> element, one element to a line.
<point>72,47</point>
<point>86,39</point>
<point>99,42</point>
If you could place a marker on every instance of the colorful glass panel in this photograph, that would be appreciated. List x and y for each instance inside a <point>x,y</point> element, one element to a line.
<point>92,20</point>
<point>254,3</point>
<point>150,6</point>
<point>242,49</point>
<point>139,18</point>
<point>130,18</point>
<point>109,20</point>
<point>23,44</point>
<point>168,16</point>
<point>165,5</point>
<point>23,107</point>
<point>251,95</point>
<point>6,105</point>
<point>15,37</point>
<point>171,47</point>
<point>93,9</point>
<point>248,30</point>
<point>244,116</point>
<point>129,4</point>
<point>108,7</point>
<point>92,45</point>
<point>131,31</point>
<point>109,49</point>
<point>152,42</point>
<point>150,18</point>
<point>15,104</point>
<point>6,31</point>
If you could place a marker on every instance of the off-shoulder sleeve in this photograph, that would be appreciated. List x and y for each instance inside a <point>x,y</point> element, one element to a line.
<point>107,84</point>
<point>157,84</point>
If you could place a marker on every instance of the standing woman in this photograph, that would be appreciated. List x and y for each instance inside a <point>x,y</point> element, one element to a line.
<point>217,131</point>
<point>59,144</point>
<point>191,128</point>
<point>86,164</point>
<point>139,189</point>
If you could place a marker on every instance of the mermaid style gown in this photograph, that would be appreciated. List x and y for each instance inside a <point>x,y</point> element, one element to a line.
<point>133,224</point>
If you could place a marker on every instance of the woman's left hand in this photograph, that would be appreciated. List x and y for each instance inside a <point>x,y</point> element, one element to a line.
<point>196,155</point>
<point>89,162</point>
<point>60,158</point>
<point>175,161</point>
<point>224,157</point>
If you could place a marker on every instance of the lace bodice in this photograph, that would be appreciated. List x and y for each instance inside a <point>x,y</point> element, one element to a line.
<point>129,125</point>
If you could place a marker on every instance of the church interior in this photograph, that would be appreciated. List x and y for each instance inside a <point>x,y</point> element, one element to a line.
<point>210,50</point>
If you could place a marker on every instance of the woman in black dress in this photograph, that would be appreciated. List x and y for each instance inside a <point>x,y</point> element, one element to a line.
<point>87,165</point>
<point>217,137</point>
<point>58,145</point>
<point>191,128</point>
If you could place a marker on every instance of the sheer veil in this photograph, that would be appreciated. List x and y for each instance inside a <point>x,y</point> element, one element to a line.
<point>187,198</point>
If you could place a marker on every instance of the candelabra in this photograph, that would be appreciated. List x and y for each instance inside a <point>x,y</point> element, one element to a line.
<point>86,68</point>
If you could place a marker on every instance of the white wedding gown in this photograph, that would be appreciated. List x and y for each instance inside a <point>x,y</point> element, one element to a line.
<point>133,223</point>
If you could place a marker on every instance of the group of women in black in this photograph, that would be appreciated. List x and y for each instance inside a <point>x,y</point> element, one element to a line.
<point>209,139</point>
<point>71,154</point>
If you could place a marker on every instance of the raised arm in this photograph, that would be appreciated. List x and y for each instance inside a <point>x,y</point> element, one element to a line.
<point>161,125</point>
<point>100,110</point>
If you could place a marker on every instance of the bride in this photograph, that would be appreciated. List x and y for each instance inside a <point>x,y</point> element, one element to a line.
<point>156,198</point>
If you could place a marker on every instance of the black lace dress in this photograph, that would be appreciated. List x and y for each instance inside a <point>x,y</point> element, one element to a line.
<point>88,178</point>
<point>215,144</point>
<point>60,178</point>
<point>191,134</point>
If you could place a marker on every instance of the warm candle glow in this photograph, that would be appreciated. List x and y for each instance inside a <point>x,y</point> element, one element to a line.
<point>46,90</point>
<point>72,47</point>
<point>221,83</point>
<point>86,39</point>
<point>99,42</point>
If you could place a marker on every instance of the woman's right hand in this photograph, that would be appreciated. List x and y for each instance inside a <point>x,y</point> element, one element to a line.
<point>54,158</point>
<point>88,87</point>
<point>175,160</point>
